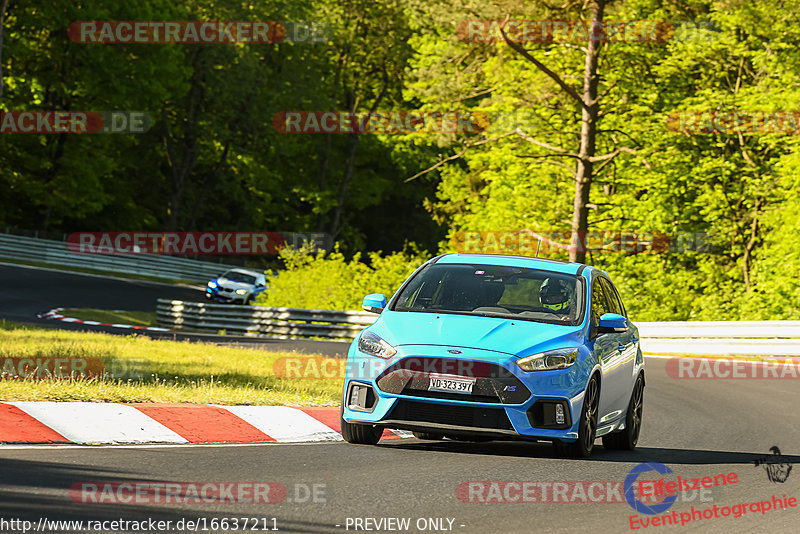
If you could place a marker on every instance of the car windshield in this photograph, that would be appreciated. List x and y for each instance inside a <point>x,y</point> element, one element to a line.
<point>236,276</point>
<point>495,291</point>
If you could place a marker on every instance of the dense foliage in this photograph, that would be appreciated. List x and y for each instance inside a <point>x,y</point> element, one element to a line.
<point>213,159</point>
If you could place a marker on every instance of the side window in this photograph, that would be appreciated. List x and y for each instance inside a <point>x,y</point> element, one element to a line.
<point>614,302</point>
<point>599,303</point>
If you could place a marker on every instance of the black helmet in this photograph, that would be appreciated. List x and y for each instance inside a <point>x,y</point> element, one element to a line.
<point>554,295</point>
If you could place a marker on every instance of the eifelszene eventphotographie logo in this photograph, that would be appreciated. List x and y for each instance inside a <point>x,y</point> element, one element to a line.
<point>777,466</point>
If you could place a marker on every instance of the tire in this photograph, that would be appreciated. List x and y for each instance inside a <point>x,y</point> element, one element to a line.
<point>360,434</point>
<point>427,435</point>
<point>626,440</point>
<point>587,425</point>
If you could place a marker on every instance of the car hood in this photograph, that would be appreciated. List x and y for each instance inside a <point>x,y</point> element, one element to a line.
<point>230,284</point>
<point>511,336</point>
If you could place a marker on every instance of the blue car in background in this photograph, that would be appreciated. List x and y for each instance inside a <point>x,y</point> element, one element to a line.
<point>480,347</point>
<point>236,286</point>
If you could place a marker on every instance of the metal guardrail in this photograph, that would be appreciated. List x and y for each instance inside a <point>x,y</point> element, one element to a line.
<point>261,320</point>
<point>56,253</point>
<point>773,338</point>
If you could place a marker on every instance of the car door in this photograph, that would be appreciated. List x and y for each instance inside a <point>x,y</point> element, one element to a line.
<point>628,341</point>
<point>606,350</point>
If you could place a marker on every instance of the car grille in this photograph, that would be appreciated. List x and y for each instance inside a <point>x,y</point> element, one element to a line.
<point>493,385</point>
<point>466,416</point>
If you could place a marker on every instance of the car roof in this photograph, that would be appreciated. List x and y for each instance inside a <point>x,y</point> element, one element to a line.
<point>515,261</point>
<point>245,271</point>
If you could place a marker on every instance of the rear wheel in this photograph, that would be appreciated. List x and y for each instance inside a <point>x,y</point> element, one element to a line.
<point>627,439</point>
<point>587,425</point>
<point>360,434</point>
<point>427,435</point>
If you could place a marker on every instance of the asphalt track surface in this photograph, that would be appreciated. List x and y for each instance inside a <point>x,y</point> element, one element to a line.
<point>697,428</point>
<point>28,291</point>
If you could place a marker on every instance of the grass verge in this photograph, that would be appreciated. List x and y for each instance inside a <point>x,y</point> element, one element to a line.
<point>112,316</point>
<point>139,369</point>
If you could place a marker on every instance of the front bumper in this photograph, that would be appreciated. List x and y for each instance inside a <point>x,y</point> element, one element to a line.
<point>506,402</point>
<point>216,295</point>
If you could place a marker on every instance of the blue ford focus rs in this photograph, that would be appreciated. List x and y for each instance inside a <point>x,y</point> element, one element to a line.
<point>481,347</point>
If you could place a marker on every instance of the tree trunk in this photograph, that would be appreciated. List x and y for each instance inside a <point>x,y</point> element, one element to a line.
<point>182,159</point>
<point>335,226</point>
<point>323,180</point>
<point>583,172</point>
<point>749,246</point>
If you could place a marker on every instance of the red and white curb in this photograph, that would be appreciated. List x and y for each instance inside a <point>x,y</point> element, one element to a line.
<point>55,313</point>
<point>90,423</point>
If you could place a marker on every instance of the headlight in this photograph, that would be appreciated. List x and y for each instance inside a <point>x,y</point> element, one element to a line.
<point>545,361</point>
<point>375,345</point>
<point>212,285</point>
<point>241,291</point>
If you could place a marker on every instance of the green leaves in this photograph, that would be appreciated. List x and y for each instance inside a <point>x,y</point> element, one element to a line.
<point>214,161</point>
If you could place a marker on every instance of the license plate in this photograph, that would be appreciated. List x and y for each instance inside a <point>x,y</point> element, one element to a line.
<point>453,384</point>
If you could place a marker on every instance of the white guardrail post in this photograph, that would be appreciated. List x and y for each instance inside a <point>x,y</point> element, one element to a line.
<point>763,338</point>
<point>56,253</point>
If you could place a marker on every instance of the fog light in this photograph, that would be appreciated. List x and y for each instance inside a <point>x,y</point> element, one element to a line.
<point>361,397</point>
<point>559,414</point>
<point>354,396</point>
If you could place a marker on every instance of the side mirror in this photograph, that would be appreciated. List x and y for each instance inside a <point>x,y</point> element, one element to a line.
<point>611,323</point>
<point>374,303</point>
<point>261,286</point>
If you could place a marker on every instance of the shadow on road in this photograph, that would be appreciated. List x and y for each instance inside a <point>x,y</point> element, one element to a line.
<point>32,490</point>
<point>545,450</point>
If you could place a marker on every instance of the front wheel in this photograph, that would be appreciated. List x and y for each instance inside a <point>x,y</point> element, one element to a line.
<point>360,434</point>
<point>587,425</point>
<point>626,440</point>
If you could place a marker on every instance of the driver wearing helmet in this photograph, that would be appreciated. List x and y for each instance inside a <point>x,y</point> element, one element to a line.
<point>555,296</point>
